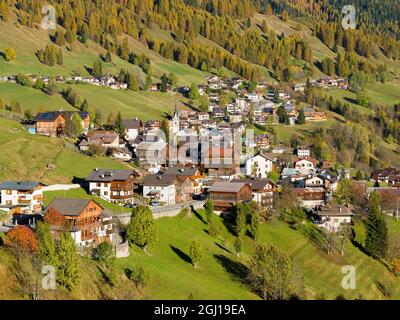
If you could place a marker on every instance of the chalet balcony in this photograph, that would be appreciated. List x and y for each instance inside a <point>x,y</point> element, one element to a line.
<point>123,197</point>
<point>24,201</point>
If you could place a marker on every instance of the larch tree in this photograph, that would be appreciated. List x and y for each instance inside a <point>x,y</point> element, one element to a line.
<point>196,253</point>
<point>69,271</point>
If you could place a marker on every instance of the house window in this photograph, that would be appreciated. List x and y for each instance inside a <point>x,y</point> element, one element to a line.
<point>8,203</point>
<point>98,184</point>
<point>8,192</point>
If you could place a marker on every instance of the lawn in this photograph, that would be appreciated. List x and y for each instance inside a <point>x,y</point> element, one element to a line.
<point>27,157</point>
<point>144,105</point>
<point>173,277</point>
<point>80,193</point>
<point>386,94</point>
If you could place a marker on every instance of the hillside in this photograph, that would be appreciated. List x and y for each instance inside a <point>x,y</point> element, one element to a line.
<point>39,158</point>
<point>173,277</point>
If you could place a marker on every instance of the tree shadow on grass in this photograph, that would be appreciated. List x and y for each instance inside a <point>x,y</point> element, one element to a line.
<point>198,216</point>
<point>82,182</point>
<point>229,220</point>
<point>223,248</point>
<point>181,254</point>
<point>236,269</point>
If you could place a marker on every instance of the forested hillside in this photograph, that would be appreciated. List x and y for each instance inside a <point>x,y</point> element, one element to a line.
<point>242,46</point>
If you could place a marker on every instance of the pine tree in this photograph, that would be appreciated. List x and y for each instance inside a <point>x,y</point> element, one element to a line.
<point>97,70</point>
<point>119,125</point>
<point>301,119</point>
<point>376,242</point>
<point>68,272</point>
<point>238,244</point>
<point>132,82</point>
<point>254,225</point>
<point>194,92</point>
<point>73,127</point>
<point>148,82</point>
<point>60,38</point>
<point>47,248</point>
<point>196,252</point>
<point>241,212</point>
<point>164,83</point>
<point>209,209</point>
<point>85,106</point>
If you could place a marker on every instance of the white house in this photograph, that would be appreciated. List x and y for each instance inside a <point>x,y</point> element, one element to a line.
<point>305,164</point>
<point>303,152</point>
<point>25,197</point>
<point>115,186</point>
<point>259,166</point>
<point>314,182</point>
<point>333,218</point>
<point>132,128</point>
<point>160,188</point>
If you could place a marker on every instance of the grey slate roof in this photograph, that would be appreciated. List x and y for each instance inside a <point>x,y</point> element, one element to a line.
<point>18,185</point>
<point>69,207</point>
<point>227,187</point>
<point>159,180</point>
<point>131,124</point>
<point>181,171</point>
<point>108,175</point>
<point>255,184</point>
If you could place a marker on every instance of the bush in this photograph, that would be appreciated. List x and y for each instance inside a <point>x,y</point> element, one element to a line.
<point>139,276</point>
<point>214,230</point>
<point>105,253</point>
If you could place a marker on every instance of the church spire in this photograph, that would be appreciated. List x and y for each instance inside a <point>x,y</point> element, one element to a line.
<point>176,112</point>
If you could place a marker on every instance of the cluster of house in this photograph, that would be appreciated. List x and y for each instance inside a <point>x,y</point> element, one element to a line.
<point>325,83</point>
<point>33,78</point>
<point>105,81</point>
<point>87,220</point>
<point>259,104</point>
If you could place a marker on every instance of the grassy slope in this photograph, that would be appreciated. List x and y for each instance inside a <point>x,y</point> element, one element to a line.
<point>175,278</point>
<point>145,105</point>
<point>27,41</point>
<point>27,156</point>
<point>220,272</point>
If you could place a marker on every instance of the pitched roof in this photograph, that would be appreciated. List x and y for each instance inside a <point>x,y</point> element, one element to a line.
<point>310,159</point>
<point>227,187</point>
<point>336,210</point>
<point>53,115</point>
<point>47,116</point>
<point>132,123</point>
<point>18,185</point>
<point>70,207</point>
<point>159,180</point>
<point>255,184</point>
<point>108,175</point>
<point>181,171</point>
